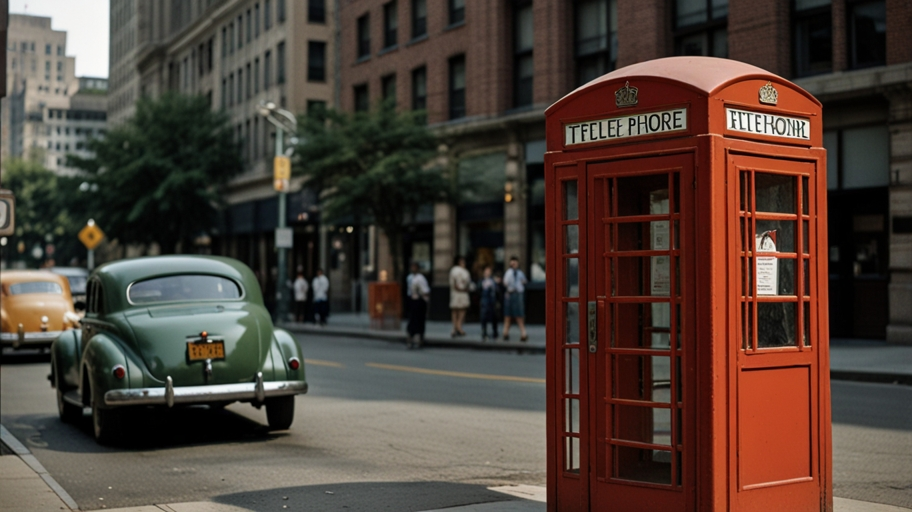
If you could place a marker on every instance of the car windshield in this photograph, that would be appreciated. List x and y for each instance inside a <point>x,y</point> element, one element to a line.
<point>77,284</point>
<point>183,288</point>
<point>35,287</point>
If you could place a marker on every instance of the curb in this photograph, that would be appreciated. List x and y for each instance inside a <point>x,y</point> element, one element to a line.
<point>877,377</point>
<point>395,336</point>
<point>26,456</point>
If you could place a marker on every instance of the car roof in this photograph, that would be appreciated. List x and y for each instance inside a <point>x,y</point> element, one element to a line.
<point>70,271</point>
<point>25,276</point>
<point>117,275</point>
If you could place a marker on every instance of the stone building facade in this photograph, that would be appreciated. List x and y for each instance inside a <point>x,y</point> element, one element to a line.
<point>485,71</point>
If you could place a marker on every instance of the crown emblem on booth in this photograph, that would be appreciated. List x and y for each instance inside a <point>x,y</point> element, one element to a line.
<point>626,96</point>
<point>769,94</point>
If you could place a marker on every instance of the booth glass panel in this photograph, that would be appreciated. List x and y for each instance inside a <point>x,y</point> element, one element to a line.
<point>571,454</point>
<point>642,195</point>
<point>572,416</point>
<point>571,208</point>
<point>775,193</point>
<point>571,239</point>
<point>571,371</point>
<point>571,316</point>
<point>643,464</point>
<point>780,232</point>
<point>642,378</point>
<point>654,426</point>
<point>642,325</point>
<point>776,324</point>
<point>571,277</point>
<point>644,276</point>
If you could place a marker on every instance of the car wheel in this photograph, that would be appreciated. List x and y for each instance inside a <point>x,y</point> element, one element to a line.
<point>69,413</point>
<point>280,412</point>
<point>106,422</point>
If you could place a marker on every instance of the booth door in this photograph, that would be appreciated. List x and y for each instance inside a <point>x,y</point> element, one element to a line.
<point>640,347</point>
<point>776,457</point>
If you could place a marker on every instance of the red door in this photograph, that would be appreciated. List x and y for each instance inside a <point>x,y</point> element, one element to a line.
<point>776,458</point>
<point>628,439</point>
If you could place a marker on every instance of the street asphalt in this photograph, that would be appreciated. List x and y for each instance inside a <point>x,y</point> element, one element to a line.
<point>25,486</point>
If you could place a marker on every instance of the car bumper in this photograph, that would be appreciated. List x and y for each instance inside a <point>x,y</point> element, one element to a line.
<point>23,339</point>
<point>169,395</point>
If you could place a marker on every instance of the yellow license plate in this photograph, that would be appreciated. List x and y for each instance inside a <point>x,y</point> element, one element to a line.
<point>203,351</point>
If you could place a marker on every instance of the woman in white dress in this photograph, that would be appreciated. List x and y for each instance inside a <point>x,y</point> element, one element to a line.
<point>460,281</point>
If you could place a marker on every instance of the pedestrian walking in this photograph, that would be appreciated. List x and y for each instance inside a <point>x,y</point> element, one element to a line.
<point>488,303</point>
<point>321,297</point>
<point>514,281</point>
<point>419,294</point>
<point>300,295</point>
<point>460,281</point>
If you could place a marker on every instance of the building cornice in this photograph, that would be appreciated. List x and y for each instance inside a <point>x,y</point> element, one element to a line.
<point>847,84</point>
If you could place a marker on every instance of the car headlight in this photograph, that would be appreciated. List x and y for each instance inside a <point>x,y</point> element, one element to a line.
<point>70,318</point>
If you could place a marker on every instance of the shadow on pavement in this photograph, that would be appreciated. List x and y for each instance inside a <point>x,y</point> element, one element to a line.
<point>147,429</point>
<point>365,496</point>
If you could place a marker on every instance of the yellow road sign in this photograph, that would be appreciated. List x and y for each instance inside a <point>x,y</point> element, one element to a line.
<point>281,172</point>
<point>91,236</point>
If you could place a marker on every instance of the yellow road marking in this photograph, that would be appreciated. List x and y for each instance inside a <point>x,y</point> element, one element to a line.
<point>455,374</point>
<point>317,362</point>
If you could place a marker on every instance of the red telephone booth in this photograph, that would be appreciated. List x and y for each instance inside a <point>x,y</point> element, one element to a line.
<point>687,292</point>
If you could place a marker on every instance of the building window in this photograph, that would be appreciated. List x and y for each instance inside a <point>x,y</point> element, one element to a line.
<point>362,100</point>
<point>457,11</point>
<point>280,11</point>
<point>249,26</point>
<point>388,88</point>
<point>316,61</point>
<point>522,54</point>
<point>867,34</point>
<point>419,89</point>
<point>209,55</point>
<point>813,39</point>
<point>280,63</point>
<point>240,87</point>
<point>390,24</point>
<point>59,50</point>
<point>231,89</point>
<point>858,157</point>
<point>316,107</point>
<point>47,49</point>
<point>224,93</point>
<point>419,18</point>
<point>266,65</point>
<point>364,42</point>
<point>256,20</point>
<point>240,26</point>
<point>701,27</point>
<point>231,38</point>
<point>457,87</point>
<point>248,84</point>
<point>596,39</point>
<point>316,11</point>
<point>267,15</point>
<point>256,75</point>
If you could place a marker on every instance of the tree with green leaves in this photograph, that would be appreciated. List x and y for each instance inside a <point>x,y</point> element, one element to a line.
<point>158,174</point>
<point>377,164</point>
<point>44,213</point>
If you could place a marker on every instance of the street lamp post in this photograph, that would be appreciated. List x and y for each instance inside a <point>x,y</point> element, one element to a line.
<point>284,121</point>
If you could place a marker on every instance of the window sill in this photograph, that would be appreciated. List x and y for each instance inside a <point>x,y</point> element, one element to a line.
<point>416,40</point>
<point>454,26</point>
<point>388,49</point>
<point>363,58</point>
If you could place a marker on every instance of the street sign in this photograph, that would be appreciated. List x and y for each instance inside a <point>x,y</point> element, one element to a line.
<point>281,173</point>
<point>7,213</point>
<point>91,236</point>
<point>284,238</point>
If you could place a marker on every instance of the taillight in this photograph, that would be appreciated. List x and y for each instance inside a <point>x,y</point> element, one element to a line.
<point>293,363</point>
<point>119,372</point>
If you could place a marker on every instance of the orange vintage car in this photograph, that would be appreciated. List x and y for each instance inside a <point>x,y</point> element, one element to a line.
<point>35,307</point>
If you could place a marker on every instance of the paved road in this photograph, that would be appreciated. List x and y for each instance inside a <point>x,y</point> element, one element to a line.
<point>387,429</point>
<point>381,429</point>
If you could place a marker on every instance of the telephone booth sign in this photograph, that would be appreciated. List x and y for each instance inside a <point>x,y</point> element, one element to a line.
<point>687,351</point>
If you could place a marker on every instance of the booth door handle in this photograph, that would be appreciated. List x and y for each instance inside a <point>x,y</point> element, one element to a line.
<point>593,326</point>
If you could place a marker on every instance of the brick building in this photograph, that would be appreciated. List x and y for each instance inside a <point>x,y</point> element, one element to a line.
<point>485,70</point>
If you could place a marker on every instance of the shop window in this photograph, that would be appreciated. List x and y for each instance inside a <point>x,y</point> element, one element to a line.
<point>867,29</point>
<point>419,18</point>
<point>701,27</point>
<point>364,42</point>
<point>390,24</point>
<point>858,157</point>
<point>595,45</point>
<point>481,178</point>
<point>457,87</point>
<point>523,71</point>
<point>419,89</point>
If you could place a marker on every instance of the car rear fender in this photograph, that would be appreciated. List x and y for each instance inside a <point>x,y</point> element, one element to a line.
<point>102,353</point>
<point>287,348</point>
<point>65,359</point>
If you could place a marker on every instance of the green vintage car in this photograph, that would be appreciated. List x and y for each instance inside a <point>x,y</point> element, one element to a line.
<point>174,330</point>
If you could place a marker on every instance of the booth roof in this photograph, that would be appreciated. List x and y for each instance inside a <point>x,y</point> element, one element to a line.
<point>704,74</point>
